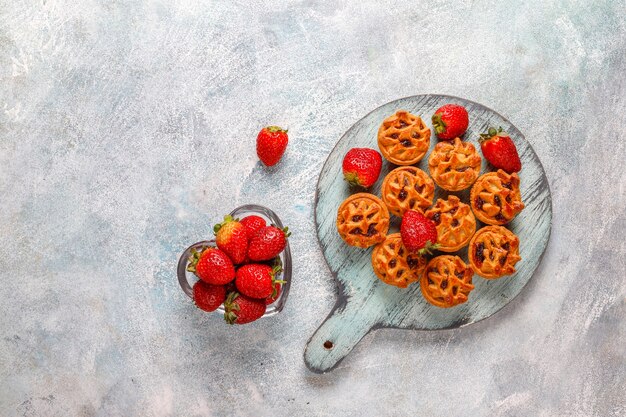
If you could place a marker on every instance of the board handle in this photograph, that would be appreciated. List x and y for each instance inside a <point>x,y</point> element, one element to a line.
<point>344,327</point>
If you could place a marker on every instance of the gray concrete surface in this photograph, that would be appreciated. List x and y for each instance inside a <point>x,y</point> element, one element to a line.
<point>127,129</point>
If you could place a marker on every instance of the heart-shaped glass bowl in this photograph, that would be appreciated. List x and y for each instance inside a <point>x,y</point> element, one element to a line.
<point>187,279</point>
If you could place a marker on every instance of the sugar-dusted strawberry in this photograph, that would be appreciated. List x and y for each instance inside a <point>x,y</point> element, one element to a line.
<point>256,280</point>
<point>212,266</point>
<point>208,297</point>
<point>275,293</point>
<point>240,309</point>
<point>271,144</point>
<point>361,166</point>
<point>450,121</point>
<point>418,232</point>
<point>500,150</point>
<point>232,237</point>
<point>253,224</point>
<point>267,243</point>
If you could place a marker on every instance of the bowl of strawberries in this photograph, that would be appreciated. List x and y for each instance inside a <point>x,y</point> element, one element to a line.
<point>244,272</point>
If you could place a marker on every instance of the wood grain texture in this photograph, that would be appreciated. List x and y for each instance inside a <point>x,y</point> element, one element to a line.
<point>364,302</point>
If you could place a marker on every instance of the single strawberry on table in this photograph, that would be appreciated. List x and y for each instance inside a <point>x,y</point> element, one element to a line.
<point>361,166</point>
<point>212,266</point>
<point>208,297</point>
<point>253,224</point>
<point>418,232</point>
<point>500,150</point>
<point>271,144</point>
<point>450,121</point>
<point>267,243</point>
<point>257,280</point>
<point>232,237</point>
<point>240,309</point>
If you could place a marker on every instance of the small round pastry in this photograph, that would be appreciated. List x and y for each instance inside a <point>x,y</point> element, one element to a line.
<point>454,165</point>
<point>362,220</point>
<point>447,281</point>
<point>394,264</point>
<point>455,223</point>
<point>403,138</point>
<point>407,188</point>
<point>495,197</point>
<point>493,252</point>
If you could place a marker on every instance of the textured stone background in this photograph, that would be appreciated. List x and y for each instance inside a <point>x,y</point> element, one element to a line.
<point>127,129</point>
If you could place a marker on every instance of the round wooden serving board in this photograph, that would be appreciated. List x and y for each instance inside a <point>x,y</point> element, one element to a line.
<point>366,303</point>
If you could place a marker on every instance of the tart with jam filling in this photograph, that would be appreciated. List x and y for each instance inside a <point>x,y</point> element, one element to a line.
<point>493,252</point>
<point>407,188</point>
<point>454,221</point>
<point>495,197</point>
<point>447,281</point>
<point>403,138</point>
<point>394,264</point>
<point>454,165</point>
<point>362,220</point>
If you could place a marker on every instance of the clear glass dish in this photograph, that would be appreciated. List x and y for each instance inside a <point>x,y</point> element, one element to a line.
<point>188,279</point>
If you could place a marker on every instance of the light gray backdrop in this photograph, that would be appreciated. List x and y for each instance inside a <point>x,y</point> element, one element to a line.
<point>127,129</point>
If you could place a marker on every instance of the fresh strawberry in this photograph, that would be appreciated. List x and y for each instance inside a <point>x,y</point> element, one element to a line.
<point>212,266</point>
<point>256,280</point>
<point>232,237</point>
<point>208,297</point>
<point>419,233</point>
<point>241,309</point>
<point>253,224</point>
<point>267,243</point>
<point>361,166</point>
<point>271,144</point>
<point>500,150</point>
<point>450,121</point>
<point>275,294</point>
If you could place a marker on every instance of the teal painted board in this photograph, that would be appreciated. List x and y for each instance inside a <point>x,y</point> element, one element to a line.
<point>364,302</point>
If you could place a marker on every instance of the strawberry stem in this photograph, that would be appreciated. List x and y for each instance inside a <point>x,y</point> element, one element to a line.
<point>438,123</point>
<point>195,257</point>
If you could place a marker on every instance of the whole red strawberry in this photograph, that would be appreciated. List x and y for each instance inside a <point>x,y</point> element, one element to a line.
<point>241,309</point>
<point>256,280</point>
<point>271,144</point>
<point>208,297</point>
<point>212,266</point>
<point>450,121</point>
<point>419,233</point>
<point>267,243</point>
<point>500,150</point>
<point>253,224</point>
<point>232,237</point>
<point>361,166</point>
<point>275,293</point>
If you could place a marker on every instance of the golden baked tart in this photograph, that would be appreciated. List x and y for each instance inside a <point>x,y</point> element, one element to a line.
<point>403,138</point>
<point>447,281</point>
<point>362,220</point>
<point>455,223</point>
<point>495,197</point>
<point>493,252</point>
<point>407,188</point>
<point>394,264</point>
<point>454,165</point>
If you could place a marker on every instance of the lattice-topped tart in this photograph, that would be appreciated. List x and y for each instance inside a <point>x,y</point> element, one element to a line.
<point>454,165</point>
<point>496,198</point>
<point>394,264</point>
<point>407,188</point>
<point>455,223</point>
<point>493,252</point>
<point>447,281</point>
<point>362,220</point>
<point>403,138</point>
